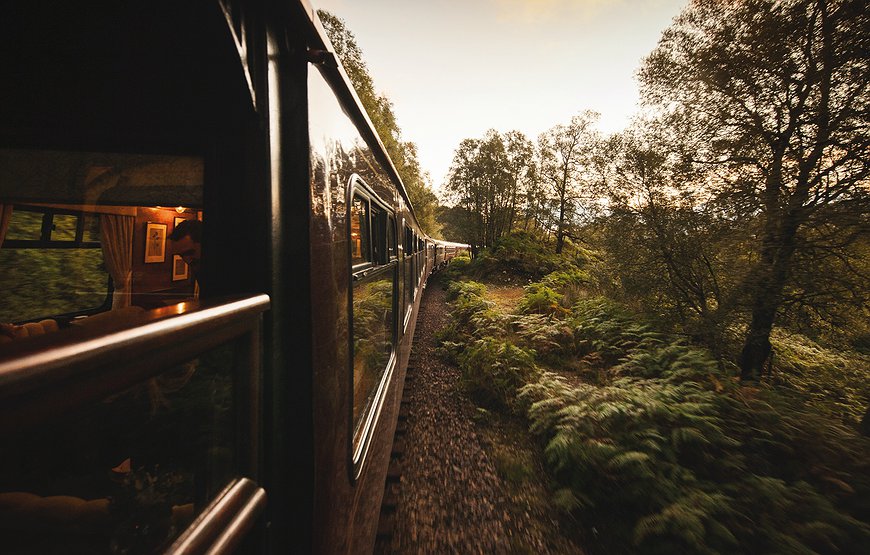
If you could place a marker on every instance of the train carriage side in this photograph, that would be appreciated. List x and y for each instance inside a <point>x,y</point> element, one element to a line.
<point>248,402</point>
<point>368,235</point>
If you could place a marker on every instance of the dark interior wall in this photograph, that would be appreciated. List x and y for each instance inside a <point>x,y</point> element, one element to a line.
<point>153,280</point>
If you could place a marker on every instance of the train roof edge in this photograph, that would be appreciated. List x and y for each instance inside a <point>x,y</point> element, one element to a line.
<point>340,81</point>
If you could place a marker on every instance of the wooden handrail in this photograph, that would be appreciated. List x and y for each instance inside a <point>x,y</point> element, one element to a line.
<point>54,373</point>
<point>224,523</point>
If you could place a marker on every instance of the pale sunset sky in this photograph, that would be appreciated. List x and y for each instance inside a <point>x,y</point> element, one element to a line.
<point>455,68</point>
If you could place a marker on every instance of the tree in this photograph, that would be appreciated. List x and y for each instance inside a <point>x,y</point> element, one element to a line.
<point>666,245</point>
<point>566,161</point>
<point>774,97</point>
<point>486,179</point>
<point>380,111</point>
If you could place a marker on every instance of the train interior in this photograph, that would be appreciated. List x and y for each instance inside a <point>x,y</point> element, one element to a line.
<point>90,244</point>
<point>85,252</point>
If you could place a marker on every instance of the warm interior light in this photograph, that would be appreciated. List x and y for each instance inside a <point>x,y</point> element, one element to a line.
<point>180,209</point>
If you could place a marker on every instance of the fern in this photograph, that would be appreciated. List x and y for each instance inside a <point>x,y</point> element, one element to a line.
<point>688,470</point>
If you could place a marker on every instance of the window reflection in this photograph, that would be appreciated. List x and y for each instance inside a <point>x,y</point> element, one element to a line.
<point>373,325</point>
<point>72,235</point>
<point>359,231</point>
<point>391,238</point>
<point>126,475</point>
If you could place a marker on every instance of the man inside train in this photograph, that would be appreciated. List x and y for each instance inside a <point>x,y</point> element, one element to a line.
<point>187,238</point>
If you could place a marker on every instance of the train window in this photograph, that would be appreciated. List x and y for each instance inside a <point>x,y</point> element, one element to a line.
<point>409,266</point>
<point>375,282</point>
<point>373,346</point>
<point>391,238</point>
<point>50,265</point>
<point>360,250</point>
<point>379,235</point>
<point>129,473</point>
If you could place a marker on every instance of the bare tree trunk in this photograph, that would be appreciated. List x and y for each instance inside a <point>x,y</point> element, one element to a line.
<point>560,230</point>
<point>776,259</point>
<point>756,348</point>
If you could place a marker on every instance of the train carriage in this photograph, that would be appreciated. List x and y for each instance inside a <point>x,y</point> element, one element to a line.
<point>244,397</point>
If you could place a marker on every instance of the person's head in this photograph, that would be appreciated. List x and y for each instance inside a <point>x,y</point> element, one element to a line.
<point>187,238</point>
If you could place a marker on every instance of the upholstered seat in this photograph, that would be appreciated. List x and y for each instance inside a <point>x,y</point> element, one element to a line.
<point>30,329</point>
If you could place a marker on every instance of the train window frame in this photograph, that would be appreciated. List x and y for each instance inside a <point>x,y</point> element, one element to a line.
<point>379,213</point>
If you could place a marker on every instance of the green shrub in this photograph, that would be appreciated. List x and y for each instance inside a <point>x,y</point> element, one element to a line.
<point>493,370</point>
<point>674,361</point>
<point>513,466</point>
<point>472,317</point>
<point>550,338</point>
<point>837,381</point>
<point>540,299</point>
<point>519,254</point>
<point>672,454</point>
<point>457,268</point>
<point>671,466</point>
<point>471,312</point>
<point>527,254</point>
<point>570,282</point>
<point>609,333</point>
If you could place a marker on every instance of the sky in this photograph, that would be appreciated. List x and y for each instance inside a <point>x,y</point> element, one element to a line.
<point>455,68</point>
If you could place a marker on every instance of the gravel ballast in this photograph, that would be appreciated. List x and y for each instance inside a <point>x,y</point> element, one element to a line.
<point>449,496</point>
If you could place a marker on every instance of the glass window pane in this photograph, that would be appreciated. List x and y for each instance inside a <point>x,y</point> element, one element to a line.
<point>379,239</point>
<point>37,283</point>
<point>373,324</point>
<point>92,228</point>
<point>128,474</point>
<point>25,225</point>
<point>63,227</point>
<point>391,237</point>
<point>359,231</point>
<point>80,195</point>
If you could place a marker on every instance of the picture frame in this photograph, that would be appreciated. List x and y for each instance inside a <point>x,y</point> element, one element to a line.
<point>177,221</point>
<point>180,269</point>
<point>155,242</point>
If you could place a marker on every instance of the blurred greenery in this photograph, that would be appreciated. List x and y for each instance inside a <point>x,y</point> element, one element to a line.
<point>653,443</point>
<point>40,282</point>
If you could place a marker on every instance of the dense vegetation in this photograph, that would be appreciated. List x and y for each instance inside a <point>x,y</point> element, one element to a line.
<point>39,282</point>
<point>653,442</point>
<point>735,206</point>
<point>692,346</point>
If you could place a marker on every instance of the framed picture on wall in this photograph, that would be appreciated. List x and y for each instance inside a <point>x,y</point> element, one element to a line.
<point>155,242</point>
<point>177,221</point>
<point>180,271</point>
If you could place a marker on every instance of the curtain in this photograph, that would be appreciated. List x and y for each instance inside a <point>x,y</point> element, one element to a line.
<point>116,238</point>
<point>5,217</point>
